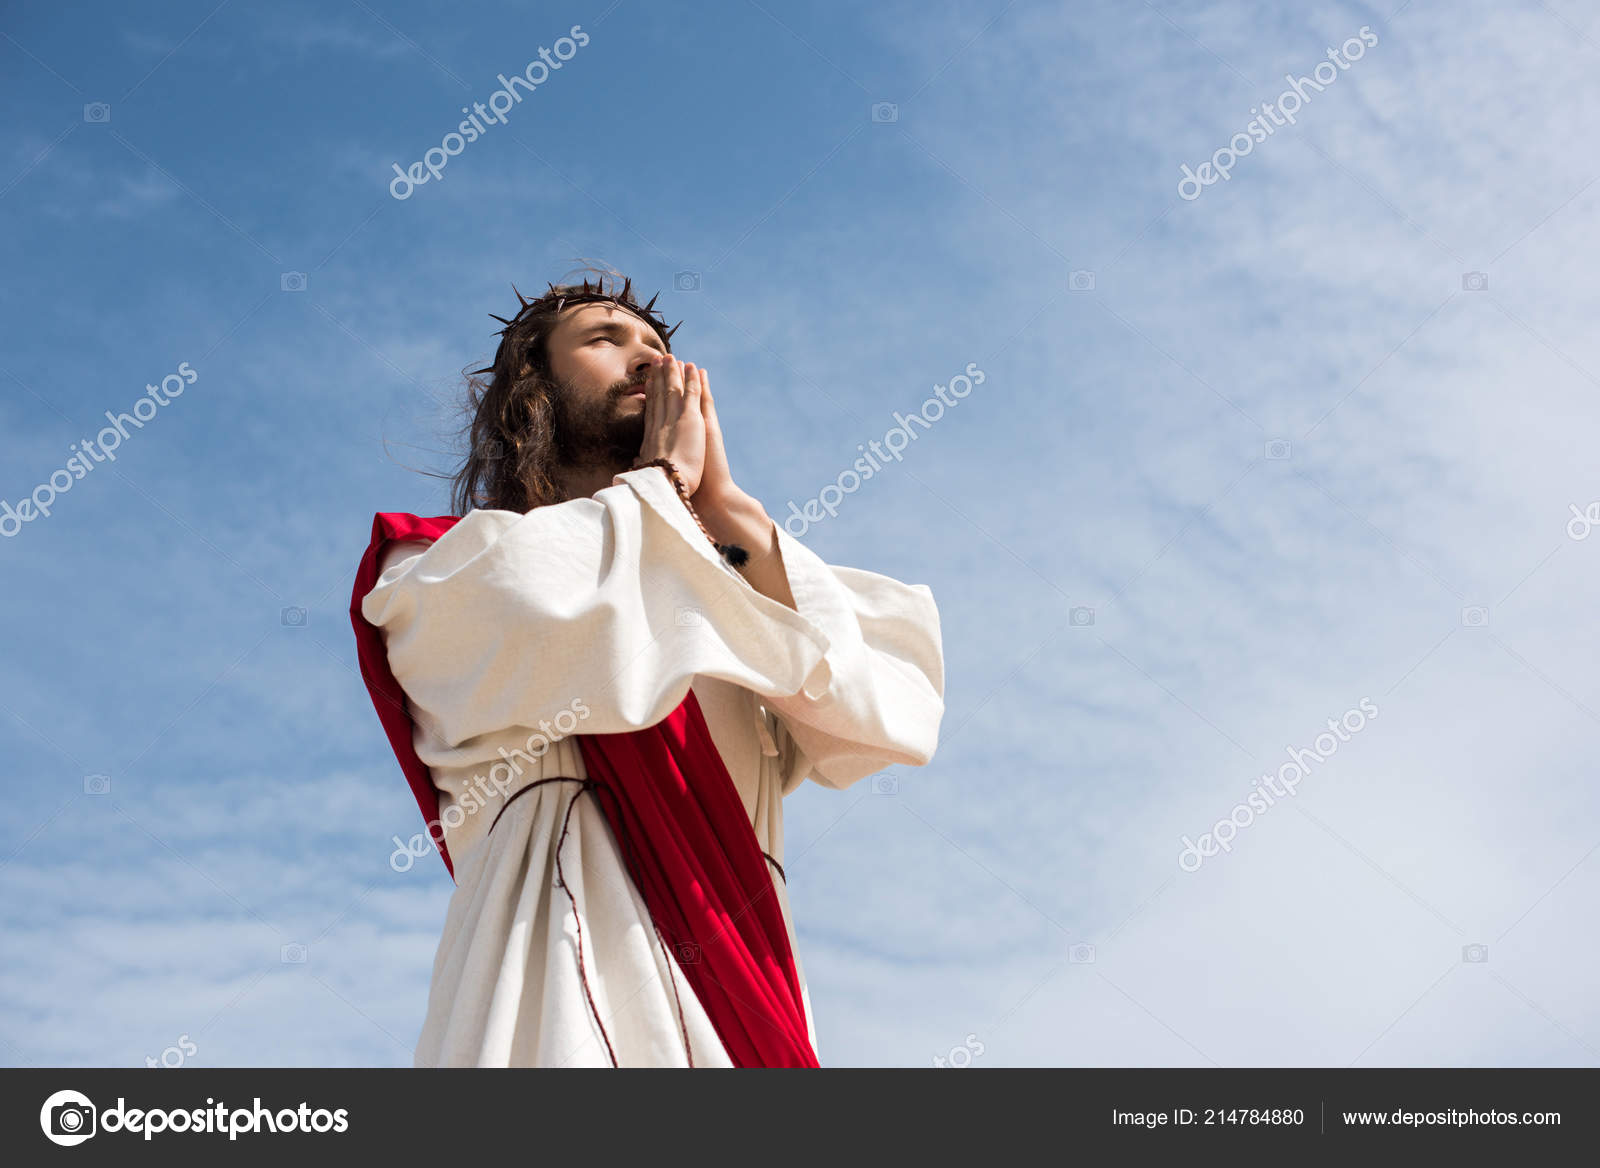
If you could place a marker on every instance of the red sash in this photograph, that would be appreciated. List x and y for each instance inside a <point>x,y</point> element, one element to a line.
<point>684,835</point>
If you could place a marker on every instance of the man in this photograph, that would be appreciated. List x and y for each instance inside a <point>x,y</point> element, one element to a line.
<point>614,667</point>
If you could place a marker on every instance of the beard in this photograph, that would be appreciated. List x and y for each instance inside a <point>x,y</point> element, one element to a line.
<point>596,431</point>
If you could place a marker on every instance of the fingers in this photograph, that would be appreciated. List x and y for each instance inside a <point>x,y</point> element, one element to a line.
<point>691,384</point>
<point>709,408</point>
<point>704,389</point>
<point>666,389</point>
<point>672,399</point>
<point>684,381</point>
<point>652,392</point>
<point>680,390</point>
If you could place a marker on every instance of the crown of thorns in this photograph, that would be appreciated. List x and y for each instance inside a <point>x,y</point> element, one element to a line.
<point>584,293</point>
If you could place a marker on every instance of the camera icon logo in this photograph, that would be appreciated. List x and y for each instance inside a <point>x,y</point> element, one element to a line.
<point>884,112</point>
<point>687,617</point>
<point>1278,448</point>
<point>97,111</point>
<point>67,1118</point>
<point>1474,954</point>
<point>1080,617</point>
<point>292,954</point>
<point>1081,954</point>
<point>292,282</point>
<point>97,784</point>
<point>1475,616</point>
<point>1475,281</point>
<point>686,281</point>
<point>1081,281</point>
<point>885,784</point>
<point>687,952</point>
<point>293,617</point>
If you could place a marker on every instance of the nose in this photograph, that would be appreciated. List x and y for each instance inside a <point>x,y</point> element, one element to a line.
<point>641,363</point>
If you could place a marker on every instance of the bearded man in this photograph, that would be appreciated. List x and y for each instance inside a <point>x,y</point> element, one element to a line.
<point>601,675</point>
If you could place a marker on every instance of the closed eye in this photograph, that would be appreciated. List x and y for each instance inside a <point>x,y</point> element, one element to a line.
<point>609,336</point>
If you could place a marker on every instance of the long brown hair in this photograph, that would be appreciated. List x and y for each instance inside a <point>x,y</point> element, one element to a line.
<point>511,460</point>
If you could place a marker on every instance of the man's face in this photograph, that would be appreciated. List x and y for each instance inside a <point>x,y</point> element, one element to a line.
<point>600,355</point>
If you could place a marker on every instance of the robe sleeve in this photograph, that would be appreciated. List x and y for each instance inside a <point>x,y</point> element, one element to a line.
<point>607,606</point>
<point>883,698</point>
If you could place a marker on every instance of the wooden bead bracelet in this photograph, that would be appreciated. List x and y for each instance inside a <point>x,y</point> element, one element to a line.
<point>731,552</point>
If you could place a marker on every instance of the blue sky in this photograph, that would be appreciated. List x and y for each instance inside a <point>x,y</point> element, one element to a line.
<point>1239,462</point>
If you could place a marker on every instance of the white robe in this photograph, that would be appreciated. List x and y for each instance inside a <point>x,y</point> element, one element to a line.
<point>611,608</point>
